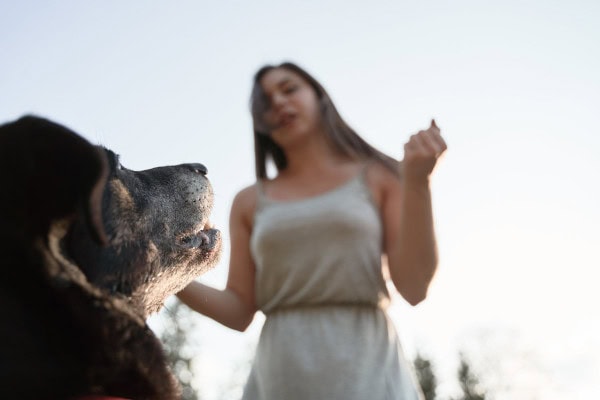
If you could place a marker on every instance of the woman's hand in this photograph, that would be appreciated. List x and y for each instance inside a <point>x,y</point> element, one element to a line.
<point>410,242</point>
<point>421,153</point>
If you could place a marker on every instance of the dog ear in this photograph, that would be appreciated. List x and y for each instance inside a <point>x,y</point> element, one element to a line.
<point>93,208</point>
<point>49,172</point>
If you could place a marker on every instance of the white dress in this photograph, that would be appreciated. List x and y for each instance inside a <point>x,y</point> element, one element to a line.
<point>319,282</point>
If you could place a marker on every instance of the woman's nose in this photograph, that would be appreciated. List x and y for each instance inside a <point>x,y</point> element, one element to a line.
<point>278,100</point>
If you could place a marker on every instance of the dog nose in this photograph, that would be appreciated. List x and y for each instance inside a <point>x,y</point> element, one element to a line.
<point>198,168</point>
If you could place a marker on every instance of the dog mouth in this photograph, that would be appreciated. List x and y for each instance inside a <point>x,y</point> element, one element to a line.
<point>206,238</point>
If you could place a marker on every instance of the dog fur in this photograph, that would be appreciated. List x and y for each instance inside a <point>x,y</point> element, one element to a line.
<point>88,250</point>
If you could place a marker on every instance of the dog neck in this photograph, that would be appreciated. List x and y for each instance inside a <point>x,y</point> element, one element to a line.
<point>66,269</point>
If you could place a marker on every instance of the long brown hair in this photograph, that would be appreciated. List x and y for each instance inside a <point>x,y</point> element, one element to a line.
<point>343,138</point>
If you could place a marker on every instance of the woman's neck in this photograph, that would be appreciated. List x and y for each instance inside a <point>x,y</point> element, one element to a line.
<point>312,159</point>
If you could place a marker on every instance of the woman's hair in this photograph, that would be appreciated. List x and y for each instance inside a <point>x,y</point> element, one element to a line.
<point>343,138</point>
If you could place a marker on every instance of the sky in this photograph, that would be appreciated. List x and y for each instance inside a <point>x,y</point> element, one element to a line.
<point>514,86</point>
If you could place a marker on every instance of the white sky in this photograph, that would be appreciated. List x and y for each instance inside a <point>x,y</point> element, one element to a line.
<point>514,86</point>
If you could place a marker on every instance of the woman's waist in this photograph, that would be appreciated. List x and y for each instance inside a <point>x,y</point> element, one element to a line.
<point>326,324</point>
<point>325,307</point>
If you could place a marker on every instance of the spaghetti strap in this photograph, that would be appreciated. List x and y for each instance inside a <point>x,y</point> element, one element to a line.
<point>260,195</point>
<point>365,183</point>
<point>364,169</point>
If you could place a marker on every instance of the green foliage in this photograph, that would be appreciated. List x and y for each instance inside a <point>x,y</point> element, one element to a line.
<point>470,386</point>
<point>427,379</point>
<point>469,383</point>
<point>174,337</point>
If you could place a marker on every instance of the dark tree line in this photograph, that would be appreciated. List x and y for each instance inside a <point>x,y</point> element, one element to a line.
<point>427,378</point>
<point>471,388</point>
<point>175,338</point>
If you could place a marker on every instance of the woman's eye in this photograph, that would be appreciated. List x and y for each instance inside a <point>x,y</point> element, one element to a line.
<point>290,89</point>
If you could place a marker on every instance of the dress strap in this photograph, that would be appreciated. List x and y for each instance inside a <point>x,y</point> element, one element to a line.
<point>261,198</point>
<point>362,175</point>
<point>365,168</point>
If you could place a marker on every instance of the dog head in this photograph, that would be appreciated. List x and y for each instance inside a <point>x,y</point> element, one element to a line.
<point>138,235</point>
<point>158,229</point>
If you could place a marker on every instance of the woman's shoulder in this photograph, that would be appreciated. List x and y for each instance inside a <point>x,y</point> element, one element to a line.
<point>379,174</point>
<point>247,195</point>
<point>246,200</point>
<point>381,181</point>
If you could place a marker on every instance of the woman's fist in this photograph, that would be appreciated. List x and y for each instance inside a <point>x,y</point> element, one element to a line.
<point>421,153</point>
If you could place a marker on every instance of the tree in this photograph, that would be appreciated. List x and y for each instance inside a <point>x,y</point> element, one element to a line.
<point>427,379</point>
<point>175,339</point>
<point>469,383</point>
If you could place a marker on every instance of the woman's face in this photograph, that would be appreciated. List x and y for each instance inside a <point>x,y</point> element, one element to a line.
<point>292,106</point>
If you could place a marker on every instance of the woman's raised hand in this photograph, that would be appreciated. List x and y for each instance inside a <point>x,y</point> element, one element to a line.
<point>421,154</point>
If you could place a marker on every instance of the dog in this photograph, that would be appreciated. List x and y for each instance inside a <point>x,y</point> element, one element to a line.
<point>88,250</point>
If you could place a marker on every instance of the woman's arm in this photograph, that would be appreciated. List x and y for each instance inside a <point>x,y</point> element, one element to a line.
<point>410,241</point>
<point>233,306</point>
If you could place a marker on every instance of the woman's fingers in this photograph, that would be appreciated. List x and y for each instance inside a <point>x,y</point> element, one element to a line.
<point>428,142</point>
<point>422,151</point>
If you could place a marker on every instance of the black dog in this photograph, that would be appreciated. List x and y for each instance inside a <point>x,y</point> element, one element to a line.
<point>88,249</point>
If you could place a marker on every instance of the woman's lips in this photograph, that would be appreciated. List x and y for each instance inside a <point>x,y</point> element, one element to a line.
<point>286,119</point>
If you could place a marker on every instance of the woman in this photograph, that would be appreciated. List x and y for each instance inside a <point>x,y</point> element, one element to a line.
<point>307,247</point>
